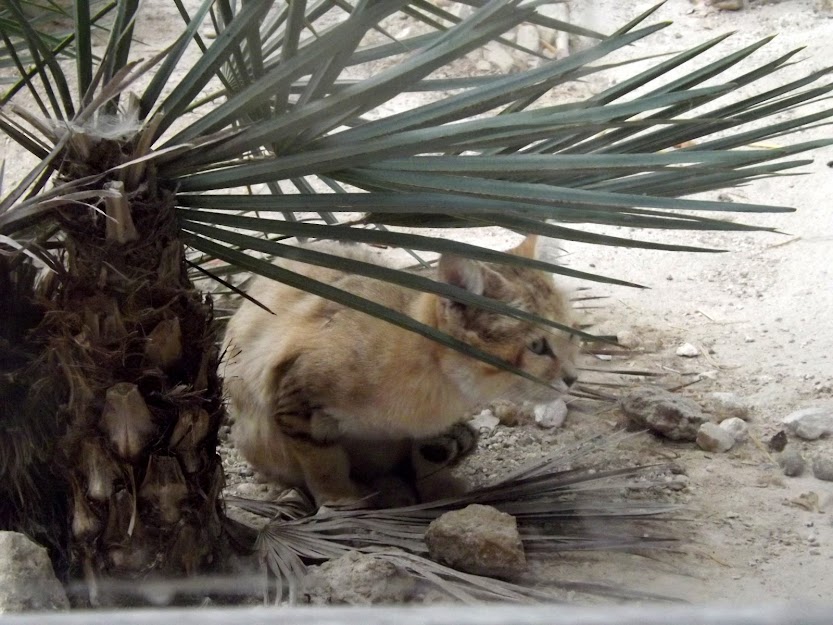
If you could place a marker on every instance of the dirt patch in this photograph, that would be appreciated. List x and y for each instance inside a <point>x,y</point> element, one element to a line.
<point>758,317</point>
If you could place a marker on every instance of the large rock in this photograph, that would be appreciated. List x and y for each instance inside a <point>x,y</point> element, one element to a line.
<point>357,579</point>
<point>675,417</point>
<point>477,539</point>
<point>27,581</point>
<point>810,423</point>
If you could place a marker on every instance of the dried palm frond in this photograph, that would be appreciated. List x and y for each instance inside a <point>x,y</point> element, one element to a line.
<point>561,504</point>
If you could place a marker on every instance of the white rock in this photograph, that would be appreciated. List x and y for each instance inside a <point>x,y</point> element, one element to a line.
<point>810,423</point>
<point>737,428</point>
<point>27,581</point>
<point>687,350</point>
<point>711,437</point>
<point>628,339</point>
<point>527,37</point>
<point>498,56</point>
<point>551,415</point>
<point>485,422</point>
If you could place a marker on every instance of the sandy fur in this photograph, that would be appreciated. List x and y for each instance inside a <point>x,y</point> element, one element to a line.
<point>366,381</point>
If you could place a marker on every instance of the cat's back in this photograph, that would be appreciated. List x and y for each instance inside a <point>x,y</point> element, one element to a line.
<point>286,319</point>
<point>290,307</point>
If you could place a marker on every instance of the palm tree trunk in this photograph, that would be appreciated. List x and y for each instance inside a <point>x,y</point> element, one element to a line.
<point>131,341</point>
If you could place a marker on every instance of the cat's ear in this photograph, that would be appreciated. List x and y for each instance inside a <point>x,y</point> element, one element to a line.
<point>462,272</point>
<point>527,248</point>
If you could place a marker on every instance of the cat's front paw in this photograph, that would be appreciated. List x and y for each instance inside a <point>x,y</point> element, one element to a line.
<point>448,448</point>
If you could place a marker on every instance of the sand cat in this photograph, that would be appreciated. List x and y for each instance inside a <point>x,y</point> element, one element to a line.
<point>327,398</point>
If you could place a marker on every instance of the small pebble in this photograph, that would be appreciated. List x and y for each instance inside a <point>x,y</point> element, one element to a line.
<point>823,468</point>
<point>551,415</point>
<point>711,437</point>
<point>628,339</point>
<point>678,482</point>
<point>687,350</point>
<point>791,461</point>
<point>737,428</point>
<point>728,5</point>
<point>485,422</point>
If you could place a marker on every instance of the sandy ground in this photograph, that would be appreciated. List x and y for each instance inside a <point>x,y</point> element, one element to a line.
<point>760,315</point>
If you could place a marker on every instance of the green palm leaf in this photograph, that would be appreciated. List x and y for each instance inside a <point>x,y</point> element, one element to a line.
<point>274,101</point>
<point>488,155</point>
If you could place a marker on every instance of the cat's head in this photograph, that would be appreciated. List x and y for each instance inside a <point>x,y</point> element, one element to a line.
<point>543,351</point>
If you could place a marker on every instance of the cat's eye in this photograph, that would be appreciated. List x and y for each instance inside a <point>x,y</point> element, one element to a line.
<point>540,347</point>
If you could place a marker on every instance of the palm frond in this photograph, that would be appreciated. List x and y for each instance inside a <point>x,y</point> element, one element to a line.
<point>562,504</point>
<point>493,153</point>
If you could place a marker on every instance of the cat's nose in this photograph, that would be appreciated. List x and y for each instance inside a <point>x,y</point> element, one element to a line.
<point>569,378</point>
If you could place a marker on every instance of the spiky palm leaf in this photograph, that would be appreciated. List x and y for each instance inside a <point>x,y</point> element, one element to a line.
<point>604,160</point>
<point>562,503</point>
<point>50,21</point>
<point>125,182</point>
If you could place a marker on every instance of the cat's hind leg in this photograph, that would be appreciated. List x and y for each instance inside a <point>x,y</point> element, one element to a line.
<point>313,440</point>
